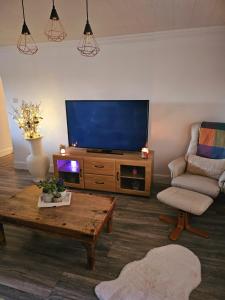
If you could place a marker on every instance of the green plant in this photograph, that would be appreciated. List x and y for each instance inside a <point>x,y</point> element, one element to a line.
<point>52,186</point>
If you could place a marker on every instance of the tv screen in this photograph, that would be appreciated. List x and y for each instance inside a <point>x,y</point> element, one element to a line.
<point>108,124</point>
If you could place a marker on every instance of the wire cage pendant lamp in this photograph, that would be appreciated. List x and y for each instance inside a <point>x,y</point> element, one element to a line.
<point>88,46</point>
<point>55,31</point>
<point>26,43</point>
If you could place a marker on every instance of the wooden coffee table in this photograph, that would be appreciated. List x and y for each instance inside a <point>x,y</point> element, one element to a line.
<point>83,220</point>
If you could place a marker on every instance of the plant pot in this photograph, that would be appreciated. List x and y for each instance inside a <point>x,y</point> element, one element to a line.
<point>63,194</point>
<point>37,161</point>
<point>47,198</point>
<point>60,199</point>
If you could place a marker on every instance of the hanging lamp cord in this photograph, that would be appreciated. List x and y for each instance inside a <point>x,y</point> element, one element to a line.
<point>87,9</point>
<point>53,3</point>
<point>23,11</point>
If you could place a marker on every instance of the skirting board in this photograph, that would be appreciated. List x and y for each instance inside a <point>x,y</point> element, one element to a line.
<point>158,178</point>
<point>21,165</point>
<point>161,178</point>
<point>6,151</point>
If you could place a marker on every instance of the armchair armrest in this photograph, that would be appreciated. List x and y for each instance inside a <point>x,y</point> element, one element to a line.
<point>177,167</point>
<point>222,182</point>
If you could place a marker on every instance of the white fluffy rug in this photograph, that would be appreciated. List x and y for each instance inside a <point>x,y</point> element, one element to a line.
<point>166,273</point>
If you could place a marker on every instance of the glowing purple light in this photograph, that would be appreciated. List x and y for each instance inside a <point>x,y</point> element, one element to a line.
<point>68,166</point>
<point>75,167</point>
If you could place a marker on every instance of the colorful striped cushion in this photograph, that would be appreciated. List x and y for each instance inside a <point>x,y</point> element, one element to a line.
<point>212,140</point>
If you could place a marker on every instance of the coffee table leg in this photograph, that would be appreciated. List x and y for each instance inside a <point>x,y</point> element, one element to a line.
<point>2,235</point>
<point>90,248</point>
<point>109,224</point>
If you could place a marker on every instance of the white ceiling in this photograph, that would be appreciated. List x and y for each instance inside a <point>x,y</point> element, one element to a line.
<point>109,17</point>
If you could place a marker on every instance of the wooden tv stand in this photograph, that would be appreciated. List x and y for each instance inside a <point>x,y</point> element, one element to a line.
<point>127,173</point>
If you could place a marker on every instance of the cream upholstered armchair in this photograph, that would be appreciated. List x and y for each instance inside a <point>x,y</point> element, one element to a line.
<point>199,174</point>
<point>197,178</point>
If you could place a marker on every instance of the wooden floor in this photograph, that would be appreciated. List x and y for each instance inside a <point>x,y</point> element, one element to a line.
<point>37,265</point>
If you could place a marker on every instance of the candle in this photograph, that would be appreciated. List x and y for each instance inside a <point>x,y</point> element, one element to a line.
<point>144,152</point>
<point>62,149</point>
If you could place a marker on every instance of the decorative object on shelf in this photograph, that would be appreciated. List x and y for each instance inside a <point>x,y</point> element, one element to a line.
<point>26,43</point>
<point>135,185</point>
<point>28,118</point>
<point>62,149</point>
<point>53,190</point>
<point>55,31</point>
<point>144,152</point>
<point>88,45</point>
<point>134,172</point>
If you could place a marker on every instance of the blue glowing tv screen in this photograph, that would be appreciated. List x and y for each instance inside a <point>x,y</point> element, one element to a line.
<point>108,124</point>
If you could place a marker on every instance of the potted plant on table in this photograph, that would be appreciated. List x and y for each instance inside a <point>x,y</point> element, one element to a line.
<point>53,189</point>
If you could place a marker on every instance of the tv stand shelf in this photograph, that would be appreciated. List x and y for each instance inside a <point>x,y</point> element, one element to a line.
<point>125,173</point>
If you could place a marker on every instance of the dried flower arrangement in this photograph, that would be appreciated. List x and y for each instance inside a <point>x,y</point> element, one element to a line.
<point>28,117</point>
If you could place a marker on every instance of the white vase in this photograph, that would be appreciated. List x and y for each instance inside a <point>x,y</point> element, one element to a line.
<point>37,161</point>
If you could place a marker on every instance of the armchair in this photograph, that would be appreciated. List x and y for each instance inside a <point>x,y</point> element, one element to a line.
<point>196,180</point>
<point>183,177</point>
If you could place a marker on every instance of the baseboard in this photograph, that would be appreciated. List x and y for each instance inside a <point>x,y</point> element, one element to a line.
<point>21,165</point>
<point>160,178</point>
<point>6,151</point>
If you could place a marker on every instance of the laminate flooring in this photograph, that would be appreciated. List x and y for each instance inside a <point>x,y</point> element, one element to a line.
<point>38,265</point>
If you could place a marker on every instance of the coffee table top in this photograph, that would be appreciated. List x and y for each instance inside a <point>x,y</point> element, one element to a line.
<point>83,219</point>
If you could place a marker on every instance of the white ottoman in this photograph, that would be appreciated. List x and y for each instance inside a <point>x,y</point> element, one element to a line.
<point>187,202</point>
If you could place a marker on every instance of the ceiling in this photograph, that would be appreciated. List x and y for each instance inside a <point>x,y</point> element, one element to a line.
<point>109,17</point>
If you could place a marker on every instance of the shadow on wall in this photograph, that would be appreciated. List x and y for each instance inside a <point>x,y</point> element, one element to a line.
<point>170,128</point>
<point>6,140</point>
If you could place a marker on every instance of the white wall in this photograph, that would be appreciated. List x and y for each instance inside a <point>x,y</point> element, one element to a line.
<point>181,72</point>
<point>5,135</point>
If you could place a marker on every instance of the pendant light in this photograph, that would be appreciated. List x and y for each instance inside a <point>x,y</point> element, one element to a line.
<point>55,31</point>
<point>26,43</point>
<point>88,45</point>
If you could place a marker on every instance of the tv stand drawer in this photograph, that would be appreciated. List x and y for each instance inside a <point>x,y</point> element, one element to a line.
<point>99,182</point>
<point>99,166</point>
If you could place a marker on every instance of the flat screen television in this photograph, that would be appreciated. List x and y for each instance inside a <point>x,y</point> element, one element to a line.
<point>108,125</point>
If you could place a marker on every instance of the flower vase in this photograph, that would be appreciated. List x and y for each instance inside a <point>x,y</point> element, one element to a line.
<point>37,160</point>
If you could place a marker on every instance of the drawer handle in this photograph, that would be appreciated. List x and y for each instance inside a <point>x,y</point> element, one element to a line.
<point>99,182</point>
<point>99,166</point>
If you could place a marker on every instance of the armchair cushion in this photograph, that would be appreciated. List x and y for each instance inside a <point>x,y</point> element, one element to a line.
<point>212,168</point>
<point>196,183</point>
<point>177,167</point>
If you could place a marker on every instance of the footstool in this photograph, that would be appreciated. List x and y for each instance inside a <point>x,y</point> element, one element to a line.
<point>188,202</point>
